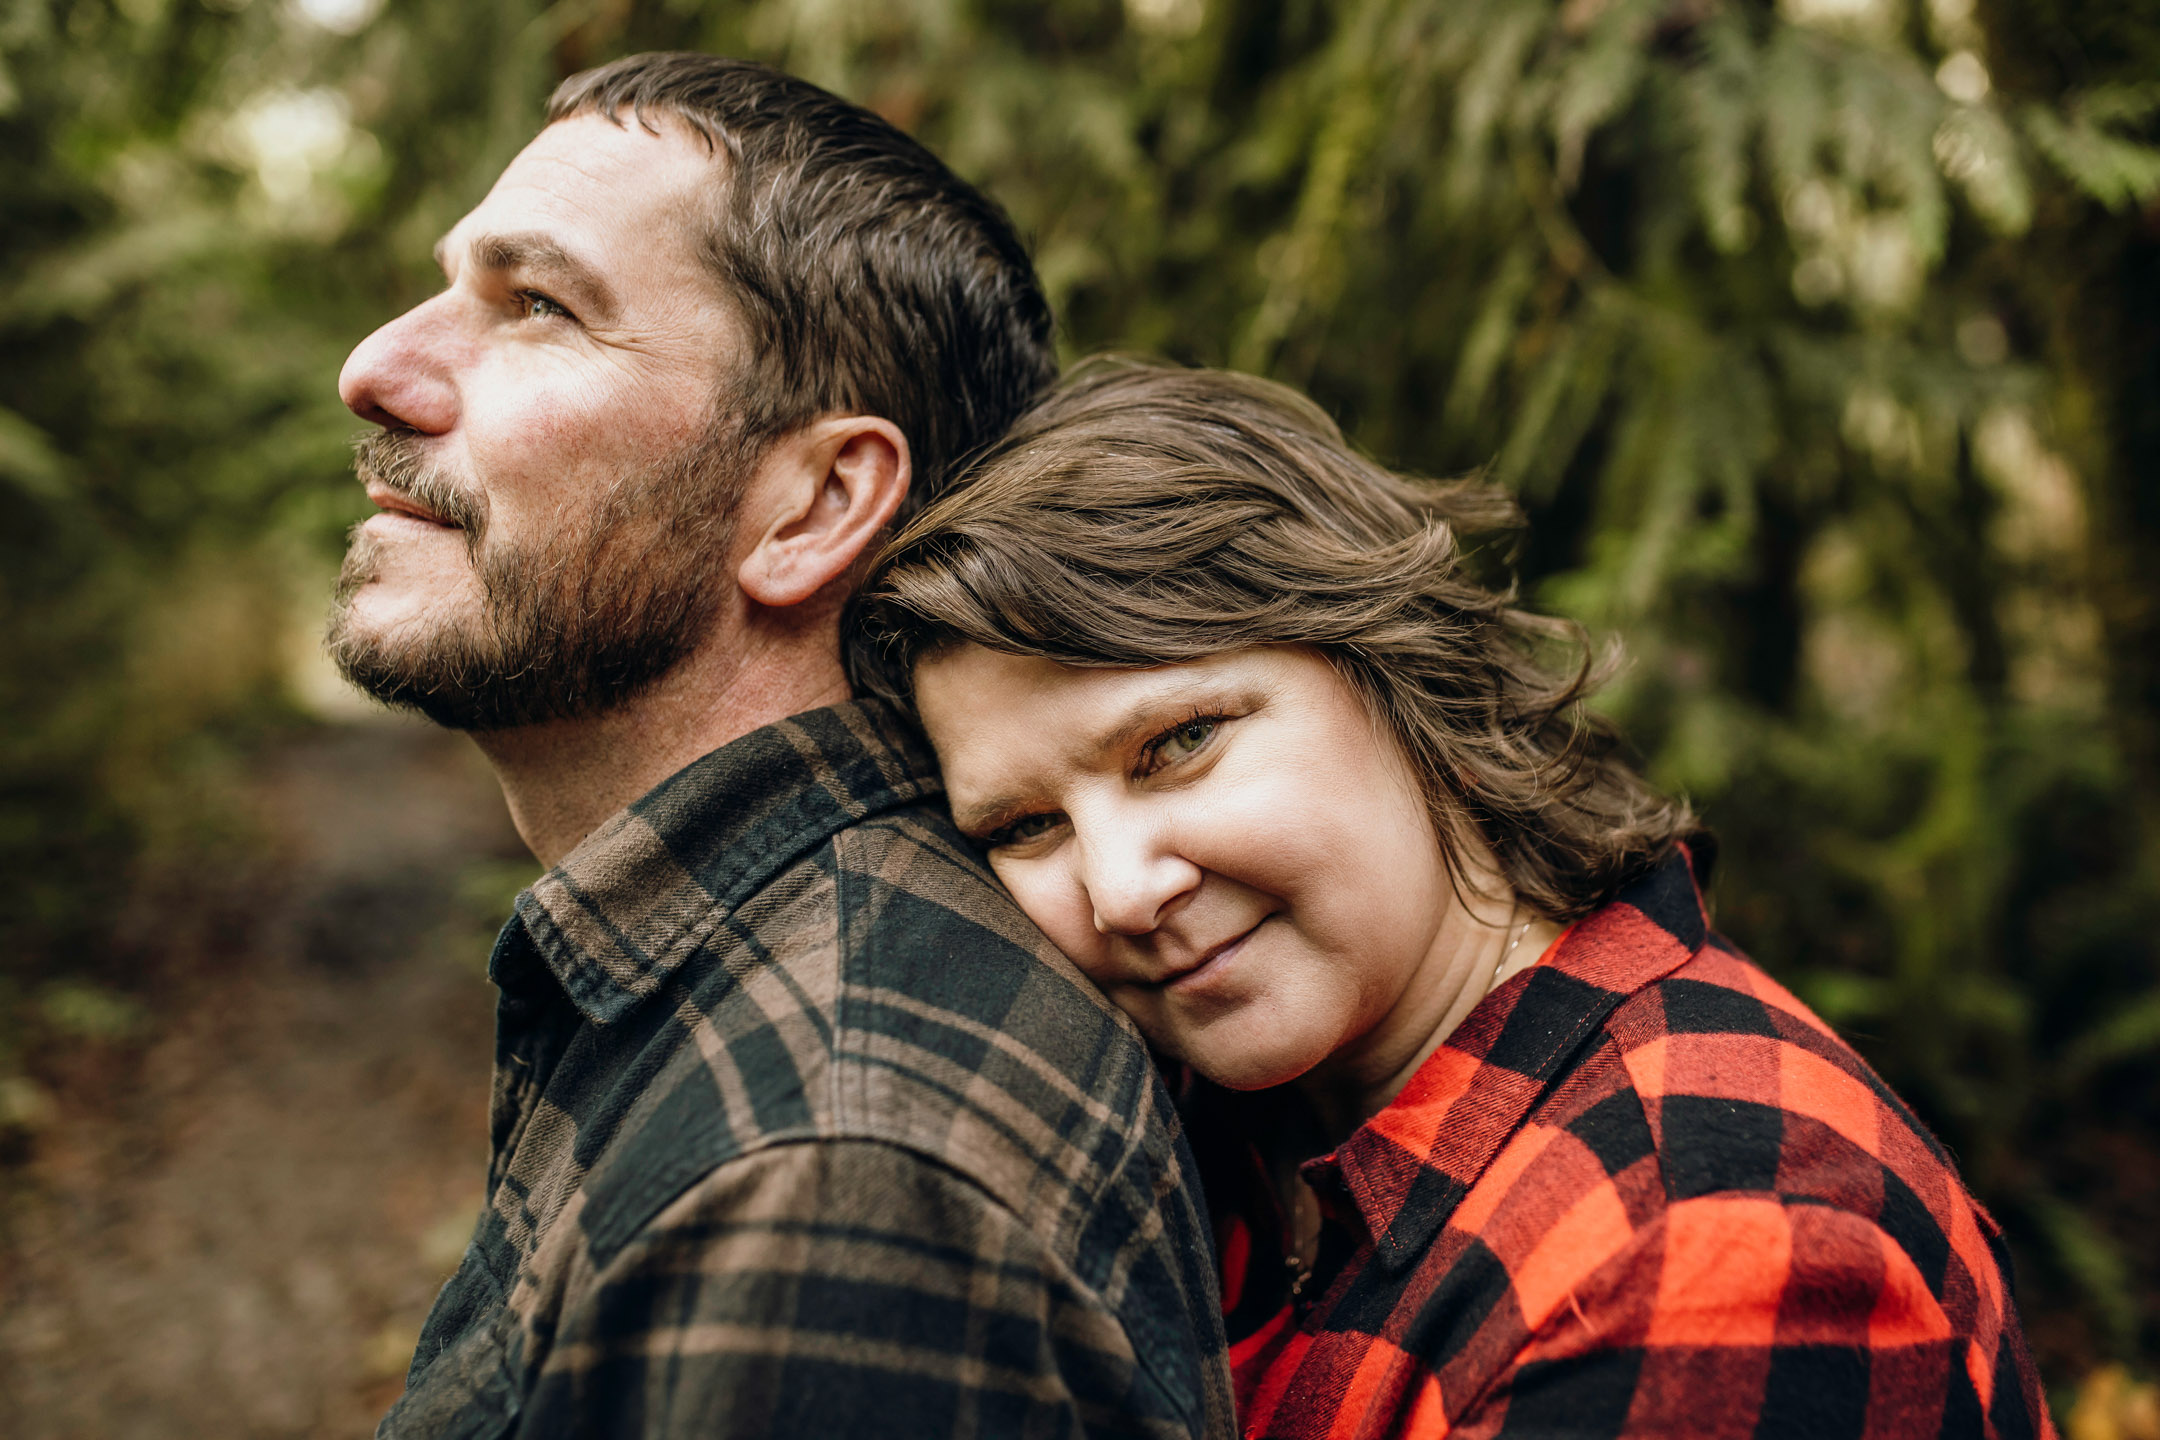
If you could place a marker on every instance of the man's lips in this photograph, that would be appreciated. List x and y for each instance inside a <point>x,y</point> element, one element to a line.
<point>393,502</point>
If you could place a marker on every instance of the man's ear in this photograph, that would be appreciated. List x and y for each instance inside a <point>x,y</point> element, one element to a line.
<point>820,497</point>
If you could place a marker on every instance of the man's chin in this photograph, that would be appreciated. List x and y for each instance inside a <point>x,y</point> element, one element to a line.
<point>405,660</point>
<point>418,683</point>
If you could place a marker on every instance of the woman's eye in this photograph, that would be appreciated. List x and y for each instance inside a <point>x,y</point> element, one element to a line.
<point>1188,737</point>
<point>540,307</point>
<point>1027,827</point>
<point>1182,740</point>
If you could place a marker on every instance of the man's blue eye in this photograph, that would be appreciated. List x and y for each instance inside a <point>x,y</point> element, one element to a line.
<point>540,307</point>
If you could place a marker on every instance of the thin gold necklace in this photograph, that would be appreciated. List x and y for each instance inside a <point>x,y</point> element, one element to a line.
<point>1505,955</point>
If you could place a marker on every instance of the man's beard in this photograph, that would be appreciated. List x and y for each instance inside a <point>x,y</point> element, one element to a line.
<point>572,627</point>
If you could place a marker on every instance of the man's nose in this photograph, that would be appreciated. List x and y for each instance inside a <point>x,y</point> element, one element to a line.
<point>400,376</point>
<point>1134,879</point>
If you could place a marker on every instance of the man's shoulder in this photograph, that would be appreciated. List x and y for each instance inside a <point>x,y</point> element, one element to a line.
<point>962,1030</point>
<point>925,923</point>
<point>883,987</point>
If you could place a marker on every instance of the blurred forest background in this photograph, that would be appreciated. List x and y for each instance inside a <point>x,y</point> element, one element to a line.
<point>1820,338</point>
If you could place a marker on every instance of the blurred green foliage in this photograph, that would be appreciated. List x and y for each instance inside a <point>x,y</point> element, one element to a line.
<point>1817,338</point>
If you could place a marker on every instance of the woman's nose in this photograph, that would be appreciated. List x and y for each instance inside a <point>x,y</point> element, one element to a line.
<point>1134,881</point>
<point>402,376</point>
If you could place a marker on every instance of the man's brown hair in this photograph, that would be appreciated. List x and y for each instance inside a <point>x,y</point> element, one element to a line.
<point>1142,515</point>
<point>871,278</point>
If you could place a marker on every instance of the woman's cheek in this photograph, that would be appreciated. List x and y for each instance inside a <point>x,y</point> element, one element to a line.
<point>1046,895</point>
<point>1256,833</point>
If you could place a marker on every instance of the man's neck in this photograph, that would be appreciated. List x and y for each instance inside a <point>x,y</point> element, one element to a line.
<point>563,778</point>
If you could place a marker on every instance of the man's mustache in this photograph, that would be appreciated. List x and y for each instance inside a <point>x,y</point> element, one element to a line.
<point>393,459</point>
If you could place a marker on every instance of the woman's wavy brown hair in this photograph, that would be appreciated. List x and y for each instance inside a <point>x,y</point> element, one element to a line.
<point>1141,515</point>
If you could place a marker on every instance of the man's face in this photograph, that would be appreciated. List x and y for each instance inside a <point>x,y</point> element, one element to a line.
<point>553,477</point>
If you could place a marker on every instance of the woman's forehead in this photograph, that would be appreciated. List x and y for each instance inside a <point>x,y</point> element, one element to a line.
<point>967,681</point>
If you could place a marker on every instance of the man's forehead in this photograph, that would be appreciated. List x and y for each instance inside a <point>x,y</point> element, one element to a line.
<point>594,185</point>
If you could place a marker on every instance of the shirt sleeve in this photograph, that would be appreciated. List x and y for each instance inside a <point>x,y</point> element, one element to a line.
<point>839,1288</point>
<point>1742,1315</point>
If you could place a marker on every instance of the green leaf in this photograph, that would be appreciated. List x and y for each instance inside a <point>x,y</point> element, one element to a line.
<point>2118,173</point>
<point>29,461</point>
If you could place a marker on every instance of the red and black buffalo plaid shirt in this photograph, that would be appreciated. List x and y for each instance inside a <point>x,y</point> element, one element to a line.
<point>1640,1191</point>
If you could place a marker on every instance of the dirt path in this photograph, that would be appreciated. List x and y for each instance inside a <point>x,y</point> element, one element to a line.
<point>236,1229</point>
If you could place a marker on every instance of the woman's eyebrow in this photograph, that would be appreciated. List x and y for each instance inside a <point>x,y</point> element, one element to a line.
<point>1087,753</point>
<point>1146,715</point>
<point>977,819</point>
<point>1142,718</point>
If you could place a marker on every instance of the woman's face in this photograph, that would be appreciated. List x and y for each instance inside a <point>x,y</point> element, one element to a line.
<point>1233,849</point>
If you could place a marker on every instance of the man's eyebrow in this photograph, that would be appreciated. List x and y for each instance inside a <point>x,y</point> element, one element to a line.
<point>545,260</point>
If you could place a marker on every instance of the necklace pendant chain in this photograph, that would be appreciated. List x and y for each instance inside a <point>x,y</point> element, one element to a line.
<point>1505,955</point>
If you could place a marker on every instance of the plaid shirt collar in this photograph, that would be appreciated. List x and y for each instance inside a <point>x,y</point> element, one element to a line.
<point>641,894</point>
<point>1408,1167</point>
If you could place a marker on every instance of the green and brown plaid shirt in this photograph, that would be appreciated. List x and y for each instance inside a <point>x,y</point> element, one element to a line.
<point>801,1129</point>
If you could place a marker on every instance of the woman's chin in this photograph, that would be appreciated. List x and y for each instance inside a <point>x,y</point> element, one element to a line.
<point>1255,1045</point>
<point>1250,1070</point>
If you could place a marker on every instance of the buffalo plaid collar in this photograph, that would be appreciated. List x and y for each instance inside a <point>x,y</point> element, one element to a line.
<point>642,893</point>
<point>1408,1167</point>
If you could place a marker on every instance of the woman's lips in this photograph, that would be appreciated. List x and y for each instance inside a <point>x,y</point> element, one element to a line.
<point>1211,966</point>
